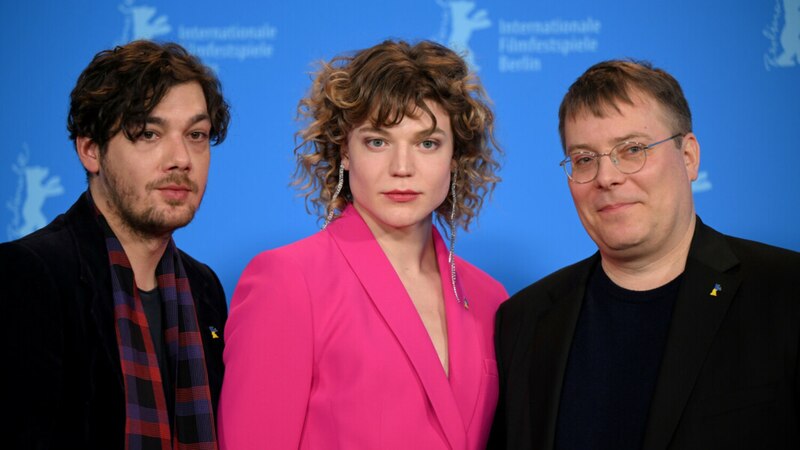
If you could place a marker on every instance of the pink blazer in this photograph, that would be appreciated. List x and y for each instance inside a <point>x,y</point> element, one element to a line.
<point>325,350</point>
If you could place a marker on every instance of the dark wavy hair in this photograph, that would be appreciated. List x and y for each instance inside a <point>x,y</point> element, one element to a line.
<point>120,88</point>
<point>606,83</point>
<point>383,84</point>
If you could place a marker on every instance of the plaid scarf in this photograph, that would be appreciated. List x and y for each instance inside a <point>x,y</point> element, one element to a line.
<point>146,418</point>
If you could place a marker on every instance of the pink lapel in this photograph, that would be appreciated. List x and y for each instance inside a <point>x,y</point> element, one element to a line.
<point>384,287</point>
<point>466,365</point>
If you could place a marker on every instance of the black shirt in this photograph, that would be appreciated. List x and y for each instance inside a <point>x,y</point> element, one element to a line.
<point>613,365</point>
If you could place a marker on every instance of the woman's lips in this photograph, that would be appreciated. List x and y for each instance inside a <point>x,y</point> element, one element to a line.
<point>402,196</point>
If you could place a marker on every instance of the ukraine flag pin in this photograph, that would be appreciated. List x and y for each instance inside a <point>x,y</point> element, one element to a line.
<point>215,335</point>
<point>717,288</point>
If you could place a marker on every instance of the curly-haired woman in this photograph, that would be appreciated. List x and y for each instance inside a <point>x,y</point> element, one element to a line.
<point>371,333</point>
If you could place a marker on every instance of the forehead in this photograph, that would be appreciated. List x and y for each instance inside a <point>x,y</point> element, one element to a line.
<point>643,117</point>
<point>382,117</point>
<point>182,98</point>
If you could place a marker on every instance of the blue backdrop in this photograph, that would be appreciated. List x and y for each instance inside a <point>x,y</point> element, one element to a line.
<point>738,61</point>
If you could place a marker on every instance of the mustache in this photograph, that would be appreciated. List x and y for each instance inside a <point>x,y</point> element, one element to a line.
<point>179,179</point>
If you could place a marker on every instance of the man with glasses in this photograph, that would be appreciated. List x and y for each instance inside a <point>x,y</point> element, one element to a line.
<point>672,336</point>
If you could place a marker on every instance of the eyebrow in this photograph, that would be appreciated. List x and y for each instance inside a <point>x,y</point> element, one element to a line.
<point>155,120</point>
<point>383,132</point>
<point>628,137</point>
<point>632,136</point>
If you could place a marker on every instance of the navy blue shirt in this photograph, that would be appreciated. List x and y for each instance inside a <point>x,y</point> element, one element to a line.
<point>613,365</point>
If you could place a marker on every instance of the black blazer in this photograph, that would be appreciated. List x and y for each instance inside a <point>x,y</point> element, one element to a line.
<point>61,384</point>
<point>729,374</point>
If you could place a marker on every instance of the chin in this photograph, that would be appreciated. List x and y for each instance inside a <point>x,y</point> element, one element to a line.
<point>181,220</point>
<point>618,243</point>
<point>412,221</point>
<point>398,224</point>
<point>628,250</point>
<point>160,224</point>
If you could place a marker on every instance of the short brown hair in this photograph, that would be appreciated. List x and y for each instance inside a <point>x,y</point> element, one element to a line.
<point>606,83</point>
<point>120,87</point>
<point>383,84</point>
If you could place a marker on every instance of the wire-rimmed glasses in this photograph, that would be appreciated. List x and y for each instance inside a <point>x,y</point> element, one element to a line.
<point>628,157</point>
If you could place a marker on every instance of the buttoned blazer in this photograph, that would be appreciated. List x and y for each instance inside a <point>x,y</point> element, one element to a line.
<point>324,349</point>
<point>62,383</point>
<point>729,373</point>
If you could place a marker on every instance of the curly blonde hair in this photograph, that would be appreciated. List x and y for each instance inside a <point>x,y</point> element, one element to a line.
<point>383,84</point>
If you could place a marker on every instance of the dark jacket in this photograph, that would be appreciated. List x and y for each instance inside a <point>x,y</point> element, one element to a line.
<point>729,373</point>
<point>61,384</point>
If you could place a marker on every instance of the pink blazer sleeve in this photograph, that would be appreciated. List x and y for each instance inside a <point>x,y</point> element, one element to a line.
<point>268,357</point>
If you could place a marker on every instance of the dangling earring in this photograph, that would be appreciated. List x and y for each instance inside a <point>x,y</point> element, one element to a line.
<point>452,256</point>
<point>331,208</point>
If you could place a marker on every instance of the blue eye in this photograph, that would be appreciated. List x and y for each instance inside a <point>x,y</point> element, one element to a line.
<point>375,142</point>
<point>429,144</point>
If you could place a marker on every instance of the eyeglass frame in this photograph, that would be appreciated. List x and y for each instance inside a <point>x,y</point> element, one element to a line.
<point>615,161</point>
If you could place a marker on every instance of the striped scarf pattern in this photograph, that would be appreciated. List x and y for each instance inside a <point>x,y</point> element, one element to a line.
<point>147,425</point>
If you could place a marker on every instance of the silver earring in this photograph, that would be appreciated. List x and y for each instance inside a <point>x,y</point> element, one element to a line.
<point>452,256</point>
<point>338,190</point>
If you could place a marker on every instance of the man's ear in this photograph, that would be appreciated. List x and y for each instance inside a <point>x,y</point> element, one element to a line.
<point>691,155</point>
<point>88,153</point>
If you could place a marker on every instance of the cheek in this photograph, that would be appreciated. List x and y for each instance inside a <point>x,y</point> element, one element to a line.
<point>359,181</point>
<point>660,188</point>
<point>441,178</point>
<point>354,183</point>
<point>201,169</point>
<point>441,192</point>
<point>579,198</point>
<point>119,178</point>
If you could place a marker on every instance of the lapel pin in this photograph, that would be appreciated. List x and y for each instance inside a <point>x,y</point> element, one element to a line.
<point>717,288</point>
<point>215,335</point>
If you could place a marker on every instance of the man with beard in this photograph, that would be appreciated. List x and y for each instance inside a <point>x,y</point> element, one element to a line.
<point>113,336</point>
